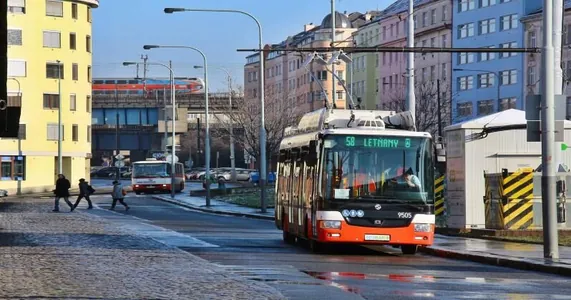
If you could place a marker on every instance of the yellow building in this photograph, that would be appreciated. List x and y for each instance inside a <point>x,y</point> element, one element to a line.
<point>49,57</point>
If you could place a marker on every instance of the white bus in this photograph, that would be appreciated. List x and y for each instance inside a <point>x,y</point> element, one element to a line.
<point>155,176</point>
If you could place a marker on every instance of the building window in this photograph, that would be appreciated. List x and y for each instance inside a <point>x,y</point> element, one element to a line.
<point>88,104</point>
<point>72,41</point>
<point>52,39</point>
<point>509,77</point>
<point>88,73</point>
<point>432,73</point>
<point>530,75</point>
<point>464,109</point>
<point>424,19</point>
<point>16,68</point>
<point>17,6</point>
<point>509,22</point>
<point>466,30</point>
<point>488,26</point>
<point>444,40</point>
<point>74,10</point>
<point>88,43</point>
<point>51,101</point>
<point>74,133</point>
<point>15,100</point>
<point>486,3</point>
<point>486,80</point>
<point>15,37</point>
<point>433,17</point>
<point>531,39</point>
<point>465,58</point>
<point>89,133</point>
<point>444,70</point>
<point>444,13</point>
<point>53,132</point>
<point>12,168</point>
<point>54,70</point>
<point>465,82</point>
<point>508,45</point>
<point>485,107</point>
<point>507,103</point>
<point>72,102</point>
<point>89,14</point>
<point>466,5</point>
<point>485,56</point>
<point>75,72</point>
<point>54,8</point>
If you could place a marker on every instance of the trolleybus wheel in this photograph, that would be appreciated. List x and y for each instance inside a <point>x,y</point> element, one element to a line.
<point>316,247</point>
<point>409,249</point>
<point>137,193</point>
<point>287,237</point>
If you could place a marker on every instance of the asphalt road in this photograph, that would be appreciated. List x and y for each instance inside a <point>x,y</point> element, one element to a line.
<point>254,248</point>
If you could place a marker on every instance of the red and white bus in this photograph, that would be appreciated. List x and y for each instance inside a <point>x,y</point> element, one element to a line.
<point>155,176</point>
<point>361,177</point>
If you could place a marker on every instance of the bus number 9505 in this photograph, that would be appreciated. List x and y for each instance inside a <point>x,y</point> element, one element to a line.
<point>405,215</point>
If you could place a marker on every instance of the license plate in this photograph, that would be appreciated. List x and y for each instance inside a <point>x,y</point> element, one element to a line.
<point>377,237</point>
<point>150,186</point>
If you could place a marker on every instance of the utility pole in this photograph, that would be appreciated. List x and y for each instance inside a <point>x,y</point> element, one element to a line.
<point>198,141</point>
<point>557,33</point>
<point>117,148</point>
<point>548,192</point>
<point>410,97</point>
<point>232,151</point>
<point>439,108</point>
<point>59,121</point>
<point>334,96</point>
<point>166,138</point>
<point>144,58</point>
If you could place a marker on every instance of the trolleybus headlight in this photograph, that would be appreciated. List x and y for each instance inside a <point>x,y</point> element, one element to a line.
<point>360,213</point>
<point>331,224</point>
<point>346,213</point>
<point>422,227</point>
<point>353,213</point>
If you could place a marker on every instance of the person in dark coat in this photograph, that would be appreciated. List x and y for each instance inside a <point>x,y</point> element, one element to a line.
<point>62,191</point>
<point>85,190</point>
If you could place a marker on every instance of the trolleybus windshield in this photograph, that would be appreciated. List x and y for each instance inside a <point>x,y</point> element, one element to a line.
<point>151,170</point>
<point>377,168</point>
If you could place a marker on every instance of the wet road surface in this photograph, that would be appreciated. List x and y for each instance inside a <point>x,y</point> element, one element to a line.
<point>254,249</point>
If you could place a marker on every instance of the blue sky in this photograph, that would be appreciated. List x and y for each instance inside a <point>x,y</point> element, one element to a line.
<point>122,27</point>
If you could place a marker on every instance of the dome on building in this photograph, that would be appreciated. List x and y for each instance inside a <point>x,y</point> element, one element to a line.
<point>341,21</point>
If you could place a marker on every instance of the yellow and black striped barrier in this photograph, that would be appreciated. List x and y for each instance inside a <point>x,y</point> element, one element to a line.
<point>439,205</point>
<point>509,199</point>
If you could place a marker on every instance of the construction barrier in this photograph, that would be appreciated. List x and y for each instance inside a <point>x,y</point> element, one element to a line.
<point>509,199</point>
<point>439,204</point>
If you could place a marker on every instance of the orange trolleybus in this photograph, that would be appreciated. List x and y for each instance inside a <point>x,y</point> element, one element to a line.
<point>363,177</point>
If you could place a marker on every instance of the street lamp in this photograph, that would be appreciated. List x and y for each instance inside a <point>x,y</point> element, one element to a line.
<point>173,100</point>
<point>232,151</point>
<point>206,112</point>
<point>263,166</point>
<point>59,129</point>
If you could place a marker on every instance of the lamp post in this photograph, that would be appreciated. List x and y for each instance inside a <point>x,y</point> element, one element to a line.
<point>59,124</point>
<point>232,151</point>
<point>206,112</point>
<point>173,100</point>
<point>263,166</point>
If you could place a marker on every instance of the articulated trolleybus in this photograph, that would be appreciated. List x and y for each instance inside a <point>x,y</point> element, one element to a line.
<point>364,177</point>
<point>153,175</point>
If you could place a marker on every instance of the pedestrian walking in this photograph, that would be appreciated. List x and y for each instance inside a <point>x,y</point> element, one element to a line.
<point>118,194</point>
<point>85,190</point>
<point>62,191</point>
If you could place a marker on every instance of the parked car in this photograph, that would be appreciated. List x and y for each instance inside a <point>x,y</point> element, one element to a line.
<point>255,177</point>
<point>241,175</point>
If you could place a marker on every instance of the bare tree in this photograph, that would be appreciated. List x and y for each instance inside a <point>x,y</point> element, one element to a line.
<point>190,141</point>
<point>427,109</point>
<point>245,121</point>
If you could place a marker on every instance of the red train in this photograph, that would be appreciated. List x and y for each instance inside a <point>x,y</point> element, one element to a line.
<point>140,87</point>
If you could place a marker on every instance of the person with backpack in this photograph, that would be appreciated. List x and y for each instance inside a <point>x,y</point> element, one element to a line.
<point>62,191</point>
<point>85,190</point>
<point>118,194</point>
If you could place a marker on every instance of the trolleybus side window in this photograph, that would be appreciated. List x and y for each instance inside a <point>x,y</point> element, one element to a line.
<point>378,168</point>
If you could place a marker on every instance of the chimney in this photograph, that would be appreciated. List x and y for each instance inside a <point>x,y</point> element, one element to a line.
<point>308,27</point>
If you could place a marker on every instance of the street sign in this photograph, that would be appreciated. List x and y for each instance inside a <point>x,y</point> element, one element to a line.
<point>169,158</point>
<point>534,131</point>
<point>564,147</point>
<point>119,164</point>
<point>119,156</point>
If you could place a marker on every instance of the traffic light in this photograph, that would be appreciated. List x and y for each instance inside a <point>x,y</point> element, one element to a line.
<point>9,116</point>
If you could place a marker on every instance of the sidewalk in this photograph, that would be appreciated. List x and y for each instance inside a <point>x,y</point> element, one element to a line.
<point>217,207</point>
<point>81,256</point>
<point>507,254</point>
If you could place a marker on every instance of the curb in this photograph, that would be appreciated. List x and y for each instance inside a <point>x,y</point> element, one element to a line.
<point>499,261</point>
<point>214,211</point>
